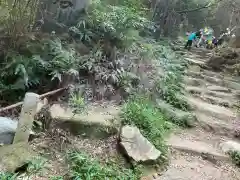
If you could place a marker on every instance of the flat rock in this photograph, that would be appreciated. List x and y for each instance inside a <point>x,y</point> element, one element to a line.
<point>93,117</point>
<point>137,146</point>
<point>14,156</point>
<point>230,146</point>
<point>96,123</point>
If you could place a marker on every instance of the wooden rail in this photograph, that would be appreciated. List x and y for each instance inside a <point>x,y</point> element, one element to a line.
<point>41,96</point>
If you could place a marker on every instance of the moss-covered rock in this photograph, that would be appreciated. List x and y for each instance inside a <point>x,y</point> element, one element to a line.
<point>14,156</point>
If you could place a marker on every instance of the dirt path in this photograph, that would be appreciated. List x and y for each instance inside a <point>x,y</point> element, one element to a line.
<point>198,154</point>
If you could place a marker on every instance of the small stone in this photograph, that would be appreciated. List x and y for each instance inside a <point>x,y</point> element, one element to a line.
<point>155,176</point>
<point>137,146</point>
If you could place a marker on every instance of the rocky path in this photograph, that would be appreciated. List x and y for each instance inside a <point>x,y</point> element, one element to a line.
<point>200,153</point>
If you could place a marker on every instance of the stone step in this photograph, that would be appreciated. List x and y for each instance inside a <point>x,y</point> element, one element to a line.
<point>193,81</point>
<point>98,122</point>
<point>215,96</point>
<point>195,147</point>
<point>194,74</point>
<point>202,76</point>
<point>218,88</point>
<point>213,80</point>
<point>195,61</point>
<point>177,116</point>
<point>213,74</point>
<point>231,84</point>
<point>195,90</point>
<point>210,109</point>
<point>217,126</point>
<point>220,94</point>
<point>217,101</point>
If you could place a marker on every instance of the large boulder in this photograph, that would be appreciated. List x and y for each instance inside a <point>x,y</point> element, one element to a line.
<point>224,57</point>
<point>136,146</point>
<point>235,42</point>
<point>216,62</point>
<point>7,130</point>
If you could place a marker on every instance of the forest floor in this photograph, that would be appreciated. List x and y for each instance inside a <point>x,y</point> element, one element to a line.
<point>200,153</point>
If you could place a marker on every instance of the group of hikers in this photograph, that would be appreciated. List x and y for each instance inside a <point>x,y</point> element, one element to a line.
<point>205,37</point>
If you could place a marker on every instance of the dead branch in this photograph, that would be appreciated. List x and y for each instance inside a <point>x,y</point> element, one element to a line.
<point>41,96</point>
<point>207,5</point>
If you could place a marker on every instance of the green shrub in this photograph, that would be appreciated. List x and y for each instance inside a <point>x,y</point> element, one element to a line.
<point>169,87</point>
<point>36,165</point>
<point>151,122</point>
<point>46,60</point>
<point>119,24</point>
<point>8,176</point>
<point>235,155</point>
<point>56,178</point>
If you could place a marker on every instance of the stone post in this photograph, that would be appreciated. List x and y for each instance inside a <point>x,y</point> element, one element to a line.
<point>28,112</point>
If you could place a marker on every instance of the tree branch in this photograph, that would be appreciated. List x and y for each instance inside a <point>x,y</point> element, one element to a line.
<point>198,8</point>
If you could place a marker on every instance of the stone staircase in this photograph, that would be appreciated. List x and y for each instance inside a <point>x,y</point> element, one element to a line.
<point>198,153</point>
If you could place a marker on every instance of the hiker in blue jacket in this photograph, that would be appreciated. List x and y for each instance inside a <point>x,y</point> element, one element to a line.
<point>191,37</point>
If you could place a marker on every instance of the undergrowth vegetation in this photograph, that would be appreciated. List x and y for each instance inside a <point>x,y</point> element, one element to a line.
<point>83,166</point>
<point>235,155</point>
<point>170,87</point>
<point>141,112</point>
<point>7,176</point>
